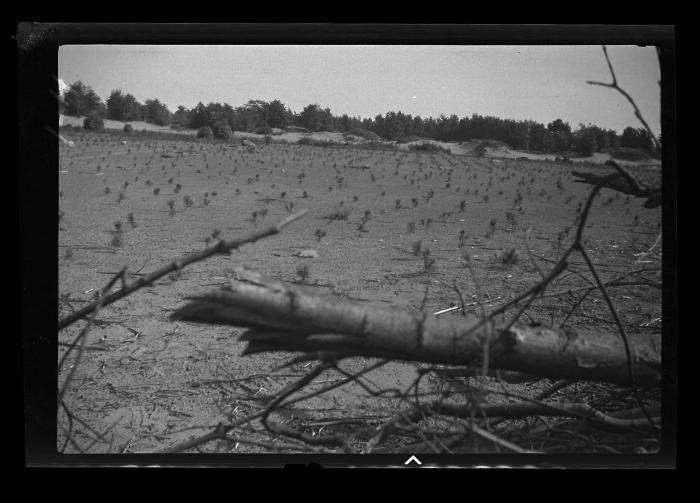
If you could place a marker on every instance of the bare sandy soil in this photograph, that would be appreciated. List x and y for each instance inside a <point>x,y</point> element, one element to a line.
<point>153,382</point>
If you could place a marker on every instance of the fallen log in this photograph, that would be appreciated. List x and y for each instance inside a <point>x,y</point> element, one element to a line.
<point>625,184</point>
<point>282,317</point>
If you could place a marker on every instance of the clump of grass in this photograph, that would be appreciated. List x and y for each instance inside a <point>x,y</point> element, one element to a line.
<point>320,234</point>
<point>188,201</point>
<point>462,205</point>
<point>492,228</point>
<point>171,205</point>
<point>303,271</point>
<point>156,191</point>
<point>462,239</point>
<point>507,257</point>
<point>416,247</point>
<point>428,261</point>
<point>116,240</point>
<point>397,204</point>
<point>411,227</point>
<point>467,259</point>
<point>107,190</point>
<point>178,187</point>
<point>132,221</point>
<point>120,197</point>
<point>338,214</point>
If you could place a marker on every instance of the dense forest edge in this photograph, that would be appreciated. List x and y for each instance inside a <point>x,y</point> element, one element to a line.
<point>221,121</point>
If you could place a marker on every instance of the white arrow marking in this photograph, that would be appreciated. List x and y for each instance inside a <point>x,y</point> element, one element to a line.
<point>413,458</point>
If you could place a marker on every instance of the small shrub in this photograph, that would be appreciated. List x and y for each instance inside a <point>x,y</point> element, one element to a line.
<point>428,261</point>
<point>94,122</point>
<point>462,238</point>
<point>416,247</point>
<point>222,130</point>
<point>507,257</point>
<point>128,128</point>
<point>338,214</point>
<point>303,272</point>
<point>205,133</point>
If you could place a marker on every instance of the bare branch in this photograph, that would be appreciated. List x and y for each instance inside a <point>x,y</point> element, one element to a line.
<point>614,85</point>
<point>179,264</point>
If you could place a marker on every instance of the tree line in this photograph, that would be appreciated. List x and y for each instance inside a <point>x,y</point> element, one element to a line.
<point>260,116</point>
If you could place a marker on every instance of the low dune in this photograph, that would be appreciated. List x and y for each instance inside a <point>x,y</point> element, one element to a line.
<point>486,147</point>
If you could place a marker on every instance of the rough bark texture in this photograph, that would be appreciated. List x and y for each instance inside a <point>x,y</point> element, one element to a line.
<point>289,318</point>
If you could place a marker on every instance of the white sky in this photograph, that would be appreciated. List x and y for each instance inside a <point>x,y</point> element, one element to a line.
<point>542,83</point>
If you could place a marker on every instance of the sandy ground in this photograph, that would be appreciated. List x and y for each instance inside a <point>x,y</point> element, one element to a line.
<point>154,382</point>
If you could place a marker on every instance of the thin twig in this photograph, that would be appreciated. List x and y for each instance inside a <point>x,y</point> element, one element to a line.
<point>614,85</point>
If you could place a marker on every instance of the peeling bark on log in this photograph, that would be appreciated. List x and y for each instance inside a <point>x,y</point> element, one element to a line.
<point>290,318</point>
